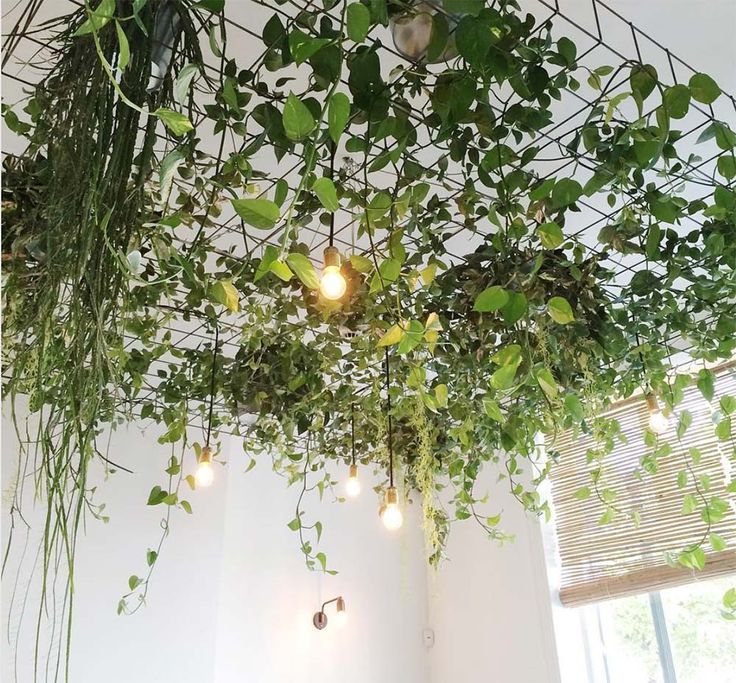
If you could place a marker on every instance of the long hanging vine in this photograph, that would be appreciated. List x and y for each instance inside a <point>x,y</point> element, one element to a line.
<point>162,188</point>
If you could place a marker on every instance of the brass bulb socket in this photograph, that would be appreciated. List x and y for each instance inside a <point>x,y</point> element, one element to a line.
<point>340,605</point>
<point>332,257</point>
<point>353,471</point>
<point>652,403</point>
<point>205,455</point>
<point>392,496</point>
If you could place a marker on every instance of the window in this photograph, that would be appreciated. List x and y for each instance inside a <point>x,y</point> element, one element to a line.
<point>671,636</point>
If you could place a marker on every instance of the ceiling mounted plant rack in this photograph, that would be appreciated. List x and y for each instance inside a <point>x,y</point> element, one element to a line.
<point>527,211</point>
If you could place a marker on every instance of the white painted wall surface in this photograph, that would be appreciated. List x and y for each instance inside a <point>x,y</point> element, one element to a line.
<point>490,604</point>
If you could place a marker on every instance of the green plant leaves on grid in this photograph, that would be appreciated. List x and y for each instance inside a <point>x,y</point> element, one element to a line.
<point>677,100</point>
<point>358,21</point>
<point>550,234</point>
<point>258,213</point>
<point>338,114</point>
<point>304,269</point>
<point>643,80</point>
<point>704,89</point>
<point>297,119</point>
<point>324,188</point>
<point>491,299</point>
<point>223,292</point>
<point>177,123</point>
<point>303,46</point>
<point>559,310</point>
<point>97,18</point>
<point>565,192</point>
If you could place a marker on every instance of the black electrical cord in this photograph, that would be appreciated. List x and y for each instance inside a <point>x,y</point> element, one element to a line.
<point>333,149</point>
<point>352,431</point>
<point>212,383</point>
<point>390,430</point>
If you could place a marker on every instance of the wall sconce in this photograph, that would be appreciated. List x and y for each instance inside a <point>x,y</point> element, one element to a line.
<point>320,618</point>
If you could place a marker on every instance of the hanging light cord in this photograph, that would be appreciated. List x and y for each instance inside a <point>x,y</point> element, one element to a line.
<point>352,431</point>
<point>390,430</point>
<point>333,148</point>
<point>212,382</point>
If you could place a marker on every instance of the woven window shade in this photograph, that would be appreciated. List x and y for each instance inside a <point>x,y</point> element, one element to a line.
<point>601,561</point>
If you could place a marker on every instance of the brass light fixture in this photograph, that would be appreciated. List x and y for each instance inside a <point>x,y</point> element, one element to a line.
<point>332,284</point>
<point>390,512</point>
<point>352,486</point>
<point>205,473</point>
<point>320,618</point>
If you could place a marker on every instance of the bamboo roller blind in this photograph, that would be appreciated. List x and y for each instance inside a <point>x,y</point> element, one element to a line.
<point>600,561</point>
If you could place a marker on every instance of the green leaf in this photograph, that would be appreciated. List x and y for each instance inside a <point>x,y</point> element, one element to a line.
<point>359,21</point>
<point>184,81</point>
<point>302,46</point>
<point>559,310</point>
<point>503,378</point>
<point>281,270</point>
<point>297,119</point>
<point>324,188</point>
<point>568,50</point>
<point>689,504</point>
<point>565,192</point>
<point>693,559</point>
<point>338,114</point>
<point>723,429</point>
<point>186,506</point>
<point>493,410</point>
<point>304,269</point>
<point>270,254</point>
<point>582,493</point>
<point>491,299</point>
<point>177,123</point>
<point>706,383</point>
<point>97,18</point>
<point>550,235</point>
<point>392,336</point>
<point>123,47</point>
<point>440,394</point>
<point>156,496</point>
<point>643,80</point>
<point>223,292</point>
<point>677,100</point>
<point>717,543</point>
<point>515,309</point>
<point>728,404</point>
<point>258,213</point>
<point>133,582</point>
<point>322,560</point>
<point>704,89</point>
<point>295,524</point>
<point>361,263</point>
<point>547,382</point>
<point>151,556</point>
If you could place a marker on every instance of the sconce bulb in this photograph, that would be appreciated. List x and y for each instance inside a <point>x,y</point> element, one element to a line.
<point>333,284</point>
<point>352,485</point>
<point>658,422</point>
<point>205,474</point>
<point>341,616</point>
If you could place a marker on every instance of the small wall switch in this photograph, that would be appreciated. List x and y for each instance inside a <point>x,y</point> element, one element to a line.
<point>428,637</point>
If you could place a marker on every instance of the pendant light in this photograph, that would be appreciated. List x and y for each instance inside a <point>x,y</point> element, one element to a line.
<point>205,473</point>
<point>352,486</point>
<point>390,511</point>
<point>332,284</point>
<point>658,421</point>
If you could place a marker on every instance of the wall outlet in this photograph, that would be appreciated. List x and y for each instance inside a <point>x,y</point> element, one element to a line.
<point>428,637</point>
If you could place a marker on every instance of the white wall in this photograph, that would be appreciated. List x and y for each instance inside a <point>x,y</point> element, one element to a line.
<point>490,604</point>
<point>231,599</point>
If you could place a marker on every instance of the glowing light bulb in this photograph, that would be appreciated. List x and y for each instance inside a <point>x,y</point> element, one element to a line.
<point>332,285</point>
<point>352,485</point>
<point>390,511</point>
<point>341,616</point>
<point>205,474</point>
<point>658,421</point>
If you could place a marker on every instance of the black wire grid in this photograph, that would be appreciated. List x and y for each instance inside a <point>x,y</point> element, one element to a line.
<point>603,37</point>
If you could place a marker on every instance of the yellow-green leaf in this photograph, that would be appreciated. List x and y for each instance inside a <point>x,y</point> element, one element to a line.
<point>304,269</point>
<point>392,336</point>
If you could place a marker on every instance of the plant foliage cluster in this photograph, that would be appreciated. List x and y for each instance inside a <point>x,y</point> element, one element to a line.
<point>196,187</point>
